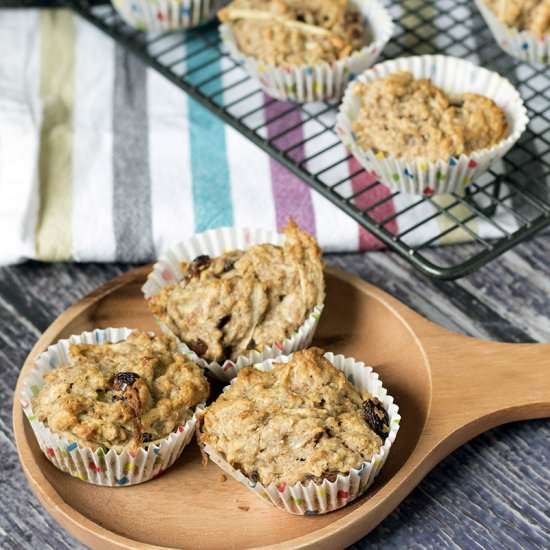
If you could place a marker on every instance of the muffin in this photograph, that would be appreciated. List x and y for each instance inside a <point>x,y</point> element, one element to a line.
<point>304,51</point>
<point>521,27</point>
<point>412,118</point>
<point>430,124</point>
<point>243,301</point>
<point>126,394</point>
<point>167,15</point>
<point>296,32</point>
<point>301,423</point>
<point>524,15</point>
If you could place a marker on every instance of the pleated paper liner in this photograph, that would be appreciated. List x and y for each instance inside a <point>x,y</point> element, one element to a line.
<point>311,498</point>
<point>419,176</point>
<point>167,15</point>
<point>303,83</point>
<point>213,243</point>
<point>102,466</point>
<point>523,45</point>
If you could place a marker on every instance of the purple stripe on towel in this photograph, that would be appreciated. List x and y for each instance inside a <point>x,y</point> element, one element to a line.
<point>292,196</point>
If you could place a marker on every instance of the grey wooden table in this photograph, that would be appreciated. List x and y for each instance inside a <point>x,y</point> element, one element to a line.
<point>491,493</point>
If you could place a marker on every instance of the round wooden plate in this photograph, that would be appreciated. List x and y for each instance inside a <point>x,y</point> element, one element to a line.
<point>190,506</point>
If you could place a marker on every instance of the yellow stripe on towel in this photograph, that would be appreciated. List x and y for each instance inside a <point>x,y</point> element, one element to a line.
<point>57,52</point>
<point>445,222</point>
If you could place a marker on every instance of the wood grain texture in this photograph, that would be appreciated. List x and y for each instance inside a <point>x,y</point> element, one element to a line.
<point>491,492</point>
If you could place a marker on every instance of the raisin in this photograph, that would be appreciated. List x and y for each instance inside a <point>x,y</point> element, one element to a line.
<point>124,379</point>
<point>199,346</point>
<point>255,476</point>
<point>146,437</point>
<point>117,398</point>
<point>196,266</point>
<point>228,265</point>
<point>223,321</point>
<point>251,344</point>
<point>376,417</point>
<point>300,17</point>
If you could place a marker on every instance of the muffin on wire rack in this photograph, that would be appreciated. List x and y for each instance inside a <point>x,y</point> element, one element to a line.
<point>305,50</point>
<point>167,15</point>
<point>430,124</point>
<point>521,27</point>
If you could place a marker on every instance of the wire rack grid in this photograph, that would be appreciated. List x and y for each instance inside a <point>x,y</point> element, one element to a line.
<point>511,202</point>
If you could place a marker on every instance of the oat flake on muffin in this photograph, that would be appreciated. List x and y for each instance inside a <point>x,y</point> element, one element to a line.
<point>302,421</point>
<point>246,300</point>
<point>411,118</point>
<point>525,15</point>
<point>122,395</point>
<point>296,32</point>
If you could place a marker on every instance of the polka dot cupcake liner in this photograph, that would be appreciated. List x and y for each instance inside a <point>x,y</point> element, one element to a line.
<point>311,499</point>
<point>167,15</point>
<point>101,466</point>
<point>305,83</point>
<point>521,44</point>
<point>213,243</point>
<point>419,176</point>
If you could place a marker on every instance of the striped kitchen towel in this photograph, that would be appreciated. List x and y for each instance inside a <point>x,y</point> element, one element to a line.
<point>101,159</point>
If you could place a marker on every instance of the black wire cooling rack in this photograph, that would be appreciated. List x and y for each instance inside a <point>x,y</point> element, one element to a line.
<point>511,202</point>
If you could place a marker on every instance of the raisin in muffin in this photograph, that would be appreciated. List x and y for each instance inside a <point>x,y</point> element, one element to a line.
<point>524,15</point>
<point>295,32</point>
<point>224,307</point>
<point>413,119</point>
<point>301,421</point>
<point>122,395</point>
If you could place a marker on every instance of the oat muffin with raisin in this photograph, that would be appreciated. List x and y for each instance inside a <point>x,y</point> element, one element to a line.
<point>122,395</point>
<point>524,15</point>
<point>301,421</point>
<point>414,119</point>
<point>224,307</point>
<point>295,32</point>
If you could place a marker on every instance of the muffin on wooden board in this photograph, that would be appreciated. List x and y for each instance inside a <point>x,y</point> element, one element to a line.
<point>248,302</point>
<point>113,406</point>
<point>298,429</point>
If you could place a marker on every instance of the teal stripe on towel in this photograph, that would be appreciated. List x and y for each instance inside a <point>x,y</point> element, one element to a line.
<point>212,203</point>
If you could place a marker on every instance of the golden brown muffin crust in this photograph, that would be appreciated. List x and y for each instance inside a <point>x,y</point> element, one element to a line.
<point>524,15</point>
<point>302,421</point>
<point>412,118</point>
<point>226,306</point>
<point>295,32</point>
<point>121,395</point>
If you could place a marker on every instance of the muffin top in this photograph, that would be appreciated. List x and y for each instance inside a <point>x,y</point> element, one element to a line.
<point>295,32</point>
<point>524,15</point>
<point>121,395</point>
<point>412,118</point>
<point>302,421</point>
<point>244,300</point>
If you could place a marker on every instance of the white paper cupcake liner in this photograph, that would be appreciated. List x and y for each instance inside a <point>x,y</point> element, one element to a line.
<point>167,15</point>
<point>419,176</point>
<point>311,498</point>
<point>304,83</point>
<point>215,242</point>
<point>521,44</point>
<point>101,466</point>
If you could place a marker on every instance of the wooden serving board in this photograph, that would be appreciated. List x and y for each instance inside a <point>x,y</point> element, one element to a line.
<point>449,389</point>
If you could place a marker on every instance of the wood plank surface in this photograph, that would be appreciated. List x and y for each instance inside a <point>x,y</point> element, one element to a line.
<point>491,493</point>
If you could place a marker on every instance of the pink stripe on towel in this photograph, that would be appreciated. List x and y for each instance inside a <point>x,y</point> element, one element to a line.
<point>367,241</point>
<point>292,196</point>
